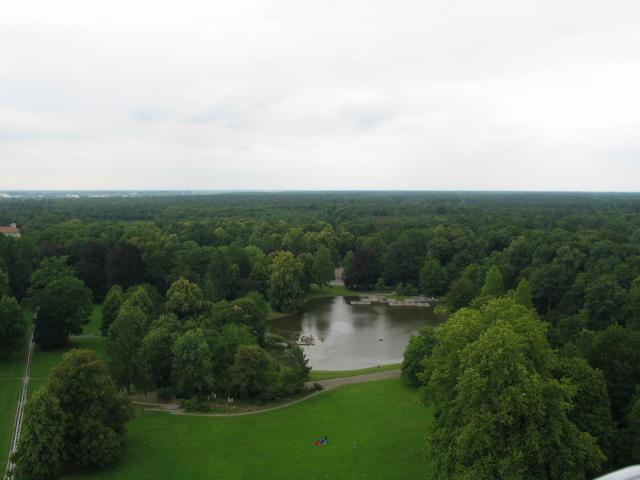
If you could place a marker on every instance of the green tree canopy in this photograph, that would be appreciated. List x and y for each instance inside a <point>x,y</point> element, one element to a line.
<point>4,283</point>
<point>285,291</point>
<point>64,305</point>
<point>41,451</point>
<point>523,294</point>
<point>633,313</point>
<point>12,326</point>
<point>184,299</point>
<point>252,371</point>
<point>604,300</point>
<point>419,347</point>
<point>322,266</point>
<point>124,342</point>
<point>78,418</point>
<point>49,269</point>
<point>156,350</point>
<point>433,277</point>
<point>361,268</point>
<point>192,364</point>
<point>501,413</point>
<point>110,308</point>
<point>493,283</point>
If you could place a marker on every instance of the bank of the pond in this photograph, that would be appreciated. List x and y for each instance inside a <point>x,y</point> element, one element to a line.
<point>339,334</point>
<point>327,292</point>
<point>317,375</point>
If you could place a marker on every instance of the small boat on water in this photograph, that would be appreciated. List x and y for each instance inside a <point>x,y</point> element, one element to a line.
<point>306,340</point>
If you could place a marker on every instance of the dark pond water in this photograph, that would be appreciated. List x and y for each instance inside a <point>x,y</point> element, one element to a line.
<point>353,336</point>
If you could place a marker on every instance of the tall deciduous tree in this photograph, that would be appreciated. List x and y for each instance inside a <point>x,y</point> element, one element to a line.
<point>633,431</point>
<point>184,299</point>
<point>124,341</point>
<point>110,308</point>
<point>285,291</point>
<point>157,350</point>
<point>4,283</point>
<point>362,269</point>
<point>604,300</point>
<point>49,269</point>
<point>95,413</point>
<point>501,413</point>
<point>124,266</point>
<point>433,277</point>
<point>523,294</point>
<point>463,289</point>
<point>12,326</point>
<point>419,347</point>
<point>64,306</point>
<point>41,452</point>
<point>493,283</point>
<point>591,410</point>
<point>224,347</point>
<point>78,418</point>
<point>615,351</point>
<point>251,372</point>
<point>192,364</point>
<point>633,302</point>
<point>322,266</point>
<point>222,276</point>
<point>90,267</point>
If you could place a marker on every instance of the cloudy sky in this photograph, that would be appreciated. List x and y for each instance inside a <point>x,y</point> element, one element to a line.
<point>303,94</point>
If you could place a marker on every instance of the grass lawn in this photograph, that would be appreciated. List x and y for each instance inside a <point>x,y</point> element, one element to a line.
<point>43,362</point>
<point>383,417</point>
<point>11,371</point>
<point>327,374</point>
<point>93,327</point>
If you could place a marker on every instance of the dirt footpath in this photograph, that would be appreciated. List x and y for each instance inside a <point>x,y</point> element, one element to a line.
<point>327,385</point>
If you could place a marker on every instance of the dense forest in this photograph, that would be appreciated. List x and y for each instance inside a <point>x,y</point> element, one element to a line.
<point>551,279</point>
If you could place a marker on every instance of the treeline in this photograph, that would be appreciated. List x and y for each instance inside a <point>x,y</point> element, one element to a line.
<point>510,405</point>
<point>187,283</point>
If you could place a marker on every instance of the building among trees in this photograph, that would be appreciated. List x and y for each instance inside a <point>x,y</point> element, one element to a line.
<point>10,231</point>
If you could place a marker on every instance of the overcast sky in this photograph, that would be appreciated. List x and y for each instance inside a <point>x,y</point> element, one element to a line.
<point>345,94</point>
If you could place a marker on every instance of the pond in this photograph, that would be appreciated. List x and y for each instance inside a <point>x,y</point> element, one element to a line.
<point>349,336</point>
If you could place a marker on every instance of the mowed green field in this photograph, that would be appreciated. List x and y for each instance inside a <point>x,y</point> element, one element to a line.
<point>43,362</point>
<point>383,418</point>
<point>328,374</point>
<point>11,370</point>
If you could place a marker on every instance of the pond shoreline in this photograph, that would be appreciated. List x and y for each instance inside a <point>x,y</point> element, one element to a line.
<point>338,333</point>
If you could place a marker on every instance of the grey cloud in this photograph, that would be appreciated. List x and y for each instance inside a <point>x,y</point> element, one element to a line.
<point>250,94</point>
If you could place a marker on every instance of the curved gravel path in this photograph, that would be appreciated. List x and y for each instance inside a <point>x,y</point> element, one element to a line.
<point>327,385</point>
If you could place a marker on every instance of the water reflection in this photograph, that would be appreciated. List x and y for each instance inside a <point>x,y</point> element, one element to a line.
<point>353,336</point>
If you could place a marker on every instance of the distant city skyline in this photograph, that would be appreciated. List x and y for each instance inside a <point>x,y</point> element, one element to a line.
<point>332,95</point>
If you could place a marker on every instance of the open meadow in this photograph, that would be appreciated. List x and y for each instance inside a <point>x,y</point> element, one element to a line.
<point>375,431</point>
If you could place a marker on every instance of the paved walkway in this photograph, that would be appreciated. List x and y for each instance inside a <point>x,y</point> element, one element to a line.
<point>17,426</point>
<point>327,385</point>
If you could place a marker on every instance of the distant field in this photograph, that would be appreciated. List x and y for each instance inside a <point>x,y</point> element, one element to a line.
<point>328,374</point>
<point>383,418</point>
